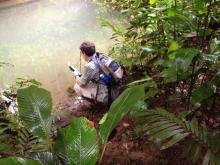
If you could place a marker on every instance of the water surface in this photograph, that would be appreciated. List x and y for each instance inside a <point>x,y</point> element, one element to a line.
<point>39,38</point>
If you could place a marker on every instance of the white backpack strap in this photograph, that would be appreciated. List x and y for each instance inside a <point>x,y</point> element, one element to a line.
<point>101,65</point>
<point>118,73</point>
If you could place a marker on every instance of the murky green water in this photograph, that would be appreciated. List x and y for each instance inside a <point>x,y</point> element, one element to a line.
<point>41,37</point>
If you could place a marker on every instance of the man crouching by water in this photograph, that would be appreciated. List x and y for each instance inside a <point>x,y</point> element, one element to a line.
<point>89,85</point>
<point>97,87</point>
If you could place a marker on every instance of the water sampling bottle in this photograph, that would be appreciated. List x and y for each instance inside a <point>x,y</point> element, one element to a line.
<point>106,79</point>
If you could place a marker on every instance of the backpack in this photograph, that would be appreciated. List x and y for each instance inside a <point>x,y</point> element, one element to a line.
<point>112,71</point>
<point>112,75</point>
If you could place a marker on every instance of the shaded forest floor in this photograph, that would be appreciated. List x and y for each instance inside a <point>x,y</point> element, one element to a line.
<point>123,147</point>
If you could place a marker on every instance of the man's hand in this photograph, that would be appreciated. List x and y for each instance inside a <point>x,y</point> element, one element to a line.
<point>74,70</point>
<point>78,79</point>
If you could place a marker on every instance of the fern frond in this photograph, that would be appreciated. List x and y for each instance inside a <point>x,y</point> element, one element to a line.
<point>166,129</point>
<point>15,138</point>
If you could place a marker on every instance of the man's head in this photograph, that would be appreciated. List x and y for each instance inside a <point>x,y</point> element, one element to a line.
<point>87,48</point>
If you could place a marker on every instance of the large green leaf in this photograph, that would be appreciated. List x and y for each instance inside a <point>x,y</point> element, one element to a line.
<point>173,46</point>
<point>203,92</point>
<point>119,108</point>
<point>18,161</point>
<point>185,55</point>
<point>178,67</point>
<point>34,105</point>
<point>79,142</point>
<point>180,21</point>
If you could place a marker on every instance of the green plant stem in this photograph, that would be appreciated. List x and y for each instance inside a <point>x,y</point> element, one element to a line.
<point>164,35</point>
<point>102,154</point>
<point>174,26</point>
<point>214,100</point>
<point>198,27</point>
<point>206,20</point>
<point>192,82</point>
<point>174,31</point>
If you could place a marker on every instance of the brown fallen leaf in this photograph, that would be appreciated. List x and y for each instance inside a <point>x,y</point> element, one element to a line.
<point>91,124</point>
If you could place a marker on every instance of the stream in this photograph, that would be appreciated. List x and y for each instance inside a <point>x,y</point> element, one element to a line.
<point>40,37</point>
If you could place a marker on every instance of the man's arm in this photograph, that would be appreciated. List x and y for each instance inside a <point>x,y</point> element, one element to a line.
<point>78,81</point>
<point>87,76</point>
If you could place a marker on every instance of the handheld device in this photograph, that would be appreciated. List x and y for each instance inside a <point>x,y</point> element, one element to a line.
<point>74,70</point>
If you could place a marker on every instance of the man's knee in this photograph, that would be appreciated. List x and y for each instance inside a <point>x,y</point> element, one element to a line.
<point>77,89</point>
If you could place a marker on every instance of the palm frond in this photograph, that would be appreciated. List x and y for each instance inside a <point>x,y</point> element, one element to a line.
<point>35,106</point>
<point>18,161</point>
<point>167,130</point>
<point>15,139</point>
<point>79,142</point>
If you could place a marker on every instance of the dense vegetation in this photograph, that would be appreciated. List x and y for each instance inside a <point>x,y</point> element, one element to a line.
<point>175,44</point>
<point>174,48</point>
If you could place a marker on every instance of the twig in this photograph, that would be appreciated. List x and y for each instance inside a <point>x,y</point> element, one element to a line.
<point>102,154</point>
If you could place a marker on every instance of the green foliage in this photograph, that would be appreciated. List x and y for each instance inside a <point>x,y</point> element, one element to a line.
<point>75,144</point>
<point>20,83</point>
<point>154,24</point>
<point>215,46</point>
<point>183,37</point>
<point>44,157</point>
<point>35,106</point>
<point>152,2</point>
<point>177,66</point>
<point>15,138</point>
<point>166,129</point>
<point>18,161</point>
<point>79,141</point>
<point>119,108</point>
<point>203,92</point>
<point>200,7</point>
